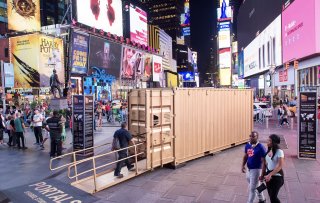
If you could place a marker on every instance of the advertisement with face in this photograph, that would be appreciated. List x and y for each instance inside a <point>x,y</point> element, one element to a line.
<point>138,25</point>
<point>157,68</point>
<point>51,58</point>
<point>264,51</point>
<point>79,53</point>
<point>101,14</point>
<point>26,68</point>
<point>225,58</point>
<point>299,34</point>
<point>23,15</point>
<point>105,55</point>
<point>148,67</point>
<point>131,63</point>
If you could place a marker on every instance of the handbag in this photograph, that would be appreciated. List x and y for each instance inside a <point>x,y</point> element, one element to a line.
<point>261,187</point>
<point>115,144</point>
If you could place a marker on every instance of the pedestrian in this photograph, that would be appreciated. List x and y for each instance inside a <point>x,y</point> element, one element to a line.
<point>284,116</point>
<point>19,131</point>
<point>279,114</point>
<point>10,127</point>
<point>46,132</point>
<point>253,158</point>
<point>55,129</point>
<point>2,127</point>
<point>37,126</point>
<point>99,112</point>
<point>272,168</point>
<point>124,137</point>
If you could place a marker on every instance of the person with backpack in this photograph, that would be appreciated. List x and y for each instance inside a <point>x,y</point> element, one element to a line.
<point>272,171</point>
<point>19,130</point>
<point>253,158</point>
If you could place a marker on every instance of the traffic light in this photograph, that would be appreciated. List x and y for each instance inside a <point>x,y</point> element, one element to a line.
<point>296,64</point>
<point>286,66</point>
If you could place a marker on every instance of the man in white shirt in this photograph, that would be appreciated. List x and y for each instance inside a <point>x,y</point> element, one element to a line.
<point>37,126</point>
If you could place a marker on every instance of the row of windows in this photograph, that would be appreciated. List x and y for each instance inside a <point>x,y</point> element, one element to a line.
<point>164,9</point>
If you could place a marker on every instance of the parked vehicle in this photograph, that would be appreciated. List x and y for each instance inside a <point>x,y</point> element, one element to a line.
<point>264,107</point>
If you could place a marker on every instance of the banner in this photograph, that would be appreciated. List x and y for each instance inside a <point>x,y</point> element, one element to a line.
<point>24,55</point>
<point>307,125</point>
<point>147,66</point>
<point>79,53</point>
<point>105,55</point>
<point>131,62</point>
<point>23,15</point>
<point>51,57</point>
<point>157,68</point>
<point>8,75</point>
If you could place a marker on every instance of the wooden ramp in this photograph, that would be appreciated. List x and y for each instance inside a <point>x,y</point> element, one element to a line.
<point>107,179</point>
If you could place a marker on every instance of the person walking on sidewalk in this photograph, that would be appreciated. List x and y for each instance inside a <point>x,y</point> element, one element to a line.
<point>19,130</point>
<point>284,116</point>
<point>272,171</point>
<point>10,128</point>
<point>253,158</point>
<point>124,138</point>
<point>37,126</point>
<point>2,127</point>
<point>55,129</point>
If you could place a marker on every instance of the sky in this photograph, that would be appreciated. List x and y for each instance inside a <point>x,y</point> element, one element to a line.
<point>203,24</point>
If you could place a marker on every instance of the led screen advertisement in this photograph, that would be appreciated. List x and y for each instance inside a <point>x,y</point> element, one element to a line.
<point>23,15</point>
<point>185,17</point>
<point>264,51</point>
<point>187,76</point>
<point>224,39</point>
<point>79,53</point>
<point>224,13</point>
<point>138,25</point>
<point>34,57</point>
<point>148,67</point>
<point>165,49</point>
<point>225,76</point>
<point>225,58</point>
<point>157,68</point>
<point>101,14</point>
<point>300,33</point>
<point>105,55</point>
<point>132,63</point>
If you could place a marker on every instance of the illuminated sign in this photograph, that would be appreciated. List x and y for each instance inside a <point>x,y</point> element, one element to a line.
<point>138,25</point>
<point>185,17</point>
<point>224,14</point>
<point>224,39</point>
<point>225,58</point>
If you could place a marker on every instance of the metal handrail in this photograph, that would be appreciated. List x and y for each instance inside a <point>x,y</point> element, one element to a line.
<point>74,157</point>
<point>99,156</point>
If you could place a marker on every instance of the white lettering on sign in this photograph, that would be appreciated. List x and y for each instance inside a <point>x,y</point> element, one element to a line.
<point>50,192</point>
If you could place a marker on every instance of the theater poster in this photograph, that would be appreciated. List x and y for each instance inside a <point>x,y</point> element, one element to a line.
<point>24,55</point>
<point>50,58</point>
<point>79,53</point>
<point>23,15</point>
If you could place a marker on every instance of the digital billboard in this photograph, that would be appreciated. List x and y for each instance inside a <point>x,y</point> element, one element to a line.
<point>300,33</point>
<point>8,75</point>
<point>131,63</point>
<point>253,17</point>
<point>79,53</point>
<point>224,3</point>
<point>264,51</point>
<point>34,57</point>
<point>165,49</point>
<point>101,14</point>
<point>185,17</point>
<point>157,68</point>
<point>187,76</point>
<point>224,39</point>
<point>171,79</point>
<point>147,67</point>
<point>138,25</point>
<point>225,58</point>
<point>224,13</point>
<point>23,15</point>
<point>105,55</point>
<point>225,76</point>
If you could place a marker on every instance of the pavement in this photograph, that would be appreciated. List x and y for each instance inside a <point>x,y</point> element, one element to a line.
<point>216,178</point>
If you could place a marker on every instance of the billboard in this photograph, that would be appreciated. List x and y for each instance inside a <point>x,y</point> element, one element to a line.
<point>241,65</point>
<point>8,75</point>
<point>23,15</point>
<point>224,39</point>
<point>300,33</point>
<point>131,63</point>
<point>195,61</point>
<point>34,57</point>
<point>51,57</point>
<point>264,51</point>
<point>172,80</point>
<point>105,55</point>
<point>185,17</point>
<point>187,76</point>
<point>223,26</point>
<point>186,31</point>
<point>157,68</point>
<point>101,14</point>
<point>138,25</point>
<point>224,3</point>
<point>147,67</point>
<point>79,53</point>
<point>225,58</point>
<point>224,13</point>
<point>165,49</point>
<point>225,76</point>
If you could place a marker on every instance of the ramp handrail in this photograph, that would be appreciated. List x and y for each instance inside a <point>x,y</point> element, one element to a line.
<point>94,169</point>
<point>73,155</point>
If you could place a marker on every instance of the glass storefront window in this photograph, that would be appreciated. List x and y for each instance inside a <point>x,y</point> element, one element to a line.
<point>3,12</point>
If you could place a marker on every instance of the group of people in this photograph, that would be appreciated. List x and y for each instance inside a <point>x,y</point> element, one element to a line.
<point>110,112</point>
<point>264,166</point>
<point>51,127</point>
<point>282,114</point>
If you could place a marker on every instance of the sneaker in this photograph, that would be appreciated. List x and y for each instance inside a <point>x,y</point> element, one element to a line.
<point>119,176</point>
<point>131,168</point>
<point>42,147</point>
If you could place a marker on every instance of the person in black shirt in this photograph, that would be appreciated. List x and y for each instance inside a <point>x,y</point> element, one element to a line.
<point>124,138</point>
<point>55,129</point>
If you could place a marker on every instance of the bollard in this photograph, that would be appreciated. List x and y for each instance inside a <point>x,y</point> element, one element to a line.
<point>267,122</point>
<point>291,122</point>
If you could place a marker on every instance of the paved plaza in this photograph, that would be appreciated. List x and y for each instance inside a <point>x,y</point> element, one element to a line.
<point>216,178</point>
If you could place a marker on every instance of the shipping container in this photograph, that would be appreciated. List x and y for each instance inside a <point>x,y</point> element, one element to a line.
<point>178,125</point>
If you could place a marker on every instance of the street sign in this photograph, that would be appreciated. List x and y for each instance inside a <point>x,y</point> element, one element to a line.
<point>307,138</point>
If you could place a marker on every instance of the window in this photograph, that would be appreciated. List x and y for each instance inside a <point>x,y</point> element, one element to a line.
<point>3,12</point>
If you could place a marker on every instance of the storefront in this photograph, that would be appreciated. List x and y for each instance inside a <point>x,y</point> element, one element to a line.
<point>284,83</point>
<point>308,77</point>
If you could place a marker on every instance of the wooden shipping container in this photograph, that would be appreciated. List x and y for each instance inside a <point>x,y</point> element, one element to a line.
<point>178,125</point>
